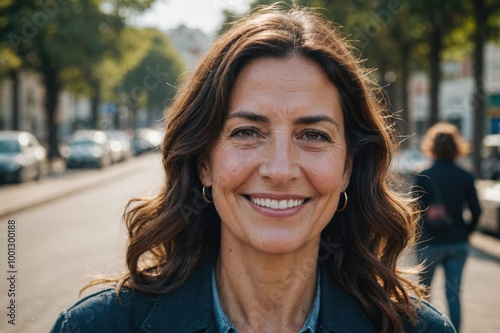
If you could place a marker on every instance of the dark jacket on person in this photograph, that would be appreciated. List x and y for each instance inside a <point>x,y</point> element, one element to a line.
<point>457,191</point>
<point>188,309</point>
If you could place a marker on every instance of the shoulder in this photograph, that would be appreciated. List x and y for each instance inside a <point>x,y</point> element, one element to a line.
<point>454,172</point>
<point>104,311</point>
<point>430,320</point>
<point>465,173</point>
<point>187,308</point>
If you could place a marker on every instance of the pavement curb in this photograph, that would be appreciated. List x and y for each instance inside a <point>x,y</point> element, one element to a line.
<point>32,194</point>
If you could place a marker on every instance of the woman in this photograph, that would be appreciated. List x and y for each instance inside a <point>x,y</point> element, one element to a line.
<point>448,184</point>
<point>276,214</point>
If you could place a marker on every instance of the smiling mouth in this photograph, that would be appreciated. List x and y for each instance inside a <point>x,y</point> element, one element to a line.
<point>277,204</point>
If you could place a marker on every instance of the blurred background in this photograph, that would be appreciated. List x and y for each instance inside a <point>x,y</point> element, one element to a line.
<point>85,86</point>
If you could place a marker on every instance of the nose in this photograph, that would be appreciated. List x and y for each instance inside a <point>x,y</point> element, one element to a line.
<point>280,160</point>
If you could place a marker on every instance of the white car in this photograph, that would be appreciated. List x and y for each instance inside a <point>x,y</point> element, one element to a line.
<point>22,157</point>
<point>491,156</point>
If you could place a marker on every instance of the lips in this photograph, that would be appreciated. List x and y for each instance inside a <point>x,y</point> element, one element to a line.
<point>277,204</point>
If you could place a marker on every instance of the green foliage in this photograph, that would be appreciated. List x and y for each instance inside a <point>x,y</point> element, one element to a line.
<point>125,7</point>
<point>66,40</point>
<point>8,61</point>
<point>458,44</point>
<point>131,49</point>
<point>73,36</point>
<point>380,29</point>
<point>151,82</point>
<point>493,20</point>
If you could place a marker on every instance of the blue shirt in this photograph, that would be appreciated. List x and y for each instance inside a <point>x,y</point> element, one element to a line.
<point>225,326</point>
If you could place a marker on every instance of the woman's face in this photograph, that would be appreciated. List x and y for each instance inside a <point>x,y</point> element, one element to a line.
<point>280,163</point>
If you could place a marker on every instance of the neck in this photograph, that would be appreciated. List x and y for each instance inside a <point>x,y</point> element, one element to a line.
<point>267,293</point>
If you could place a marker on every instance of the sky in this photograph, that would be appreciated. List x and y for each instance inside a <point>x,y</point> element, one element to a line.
<point>203,14</point>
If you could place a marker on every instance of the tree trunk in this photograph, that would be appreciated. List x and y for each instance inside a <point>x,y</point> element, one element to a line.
<point>480,17</point>
<point>135,118</point>
<point>406,126</point>
<point>95,103</point>
<point>151,112</point>
<point>116,118</point>
<point>133,115</point>
<point>14,75</point>
<point>52,89</point>
<point>435,72</point>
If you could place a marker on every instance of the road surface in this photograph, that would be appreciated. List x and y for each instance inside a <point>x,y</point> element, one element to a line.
<point>59,244</point>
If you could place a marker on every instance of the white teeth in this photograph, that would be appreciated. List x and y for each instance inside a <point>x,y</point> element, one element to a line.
<point>277,204</point>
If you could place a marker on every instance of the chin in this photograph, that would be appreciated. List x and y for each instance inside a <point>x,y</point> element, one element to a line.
<point>277,244</point>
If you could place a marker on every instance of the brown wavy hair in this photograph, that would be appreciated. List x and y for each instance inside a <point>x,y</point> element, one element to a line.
<point>173,232</point>
<point>443,141</point>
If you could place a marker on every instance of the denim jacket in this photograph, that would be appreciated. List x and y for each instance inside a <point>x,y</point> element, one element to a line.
<point>189,309</point>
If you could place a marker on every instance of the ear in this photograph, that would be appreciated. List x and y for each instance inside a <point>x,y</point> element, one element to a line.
<point>204,171</point>
<point>346,176</point>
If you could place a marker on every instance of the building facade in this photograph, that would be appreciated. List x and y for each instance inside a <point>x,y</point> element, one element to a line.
<point>456,95</point>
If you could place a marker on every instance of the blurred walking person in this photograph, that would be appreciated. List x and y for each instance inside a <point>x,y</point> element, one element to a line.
<point>445,190</point>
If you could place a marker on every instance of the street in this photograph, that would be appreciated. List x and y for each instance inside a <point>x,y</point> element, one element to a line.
<point>480,287</point>
<point>60,243</point>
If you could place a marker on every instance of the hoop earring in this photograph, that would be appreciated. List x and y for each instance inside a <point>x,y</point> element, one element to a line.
<point>207,200</point>
<point>345,203</point>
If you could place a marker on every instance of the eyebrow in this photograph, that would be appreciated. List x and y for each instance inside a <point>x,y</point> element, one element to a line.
<point>308,120</point>
<point>249,116</point>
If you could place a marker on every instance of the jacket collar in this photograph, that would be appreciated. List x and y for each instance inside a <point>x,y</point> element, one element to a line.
<point>339,311</point>
<point>189,308</point>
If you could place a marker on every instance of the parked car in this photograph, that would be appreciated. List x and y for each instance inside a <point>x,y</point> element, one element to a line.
<point>120,145</point>
<point>491,156</point>
<point>489,194</point>
<point>22,157</point>
<point>145,139</point>
<point>87,148</point>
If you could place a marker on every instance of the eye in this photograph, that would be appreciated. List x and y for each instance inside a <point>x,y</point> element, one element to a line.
<point>244,133</point>
<point>315,135</point>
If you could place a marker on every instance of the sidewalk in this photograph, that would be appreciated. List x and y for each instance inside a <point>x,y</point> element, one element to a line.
<point>58,183</point>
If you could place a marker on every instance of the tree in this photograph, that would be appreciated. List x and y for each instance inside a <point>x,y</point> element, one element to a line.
<point>485,27</point>
<point>439,20</point>
<point>30,30</point>
<point>11,15</point>
<point>131,50</point>
<point>56,37</point>
<point>96,50</point>
<point>152,82</point>
<point>110,27</point>
<point>9,67</point>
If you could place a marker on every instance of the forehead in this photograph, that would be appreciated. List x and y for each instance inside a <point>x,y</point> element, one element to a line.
<point>295,69</point>
<point>294,84</point>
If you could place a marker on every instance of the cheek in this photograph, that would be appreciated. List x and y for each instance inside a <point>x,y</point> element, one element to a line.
<point>231,167</point>
<point>326,175</point>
